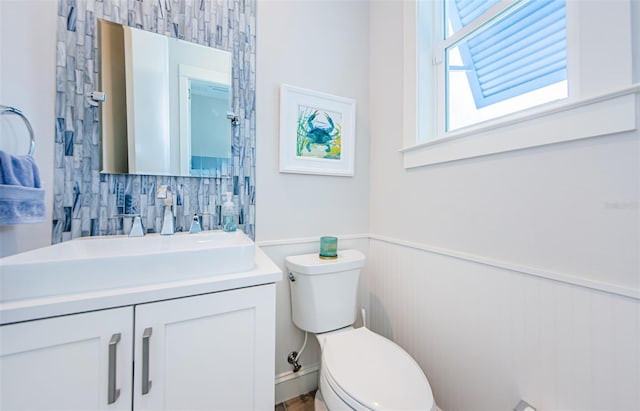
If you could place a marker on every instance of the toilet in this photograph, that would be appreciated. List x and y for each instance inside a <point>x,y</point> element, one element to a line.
<point>360,370</point>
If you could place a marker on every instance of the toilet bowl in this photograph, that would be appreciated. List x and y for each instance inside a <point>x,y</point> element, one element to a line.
<point>360,370</point>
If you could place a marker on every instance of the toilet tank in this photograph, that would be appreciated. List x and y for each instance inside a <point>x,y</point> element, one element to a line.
<point>324,292</point>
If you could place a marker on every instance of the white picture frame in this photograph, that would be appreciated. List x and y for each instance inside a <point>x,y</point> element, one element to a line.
<point>317,132</point>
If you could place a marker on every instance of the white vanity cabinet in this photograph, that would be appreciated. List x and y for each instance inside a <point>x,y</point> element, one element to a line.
<point>208,352</point>
<point>179,322</point>
<point>212,351</point>
<point>62,363</point>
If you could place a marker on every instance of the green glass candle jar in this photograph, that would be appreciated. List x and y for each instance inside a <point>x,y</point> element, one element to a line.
<point>328,248</point>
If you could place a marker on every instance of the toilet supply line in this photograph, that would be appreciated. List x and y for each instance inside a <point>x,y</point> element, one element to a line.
<point>295,355</point>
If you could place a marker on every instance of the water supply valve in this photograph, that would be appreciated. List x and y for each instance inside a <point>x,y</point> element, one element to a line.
<point>293,360</point>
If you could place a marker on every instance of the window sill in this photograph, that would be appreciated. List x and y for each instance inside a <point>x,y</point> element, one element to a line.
<point>602,115</point>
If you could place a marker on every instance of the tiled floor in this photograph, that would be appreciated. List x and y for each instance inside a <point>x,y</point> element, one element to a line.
<point>303,402</point>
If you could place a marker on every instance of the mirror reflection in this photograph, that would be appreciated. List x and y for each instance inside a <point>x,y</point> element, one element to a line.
<point>168,104</point>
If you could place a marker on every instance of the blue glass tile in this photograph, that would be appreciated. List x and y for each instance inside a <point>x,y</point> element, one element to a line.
<point>85,200</point>
<point>76,198</point>
<point>119,194</point>
<point>128,209</point>
<point>94,227</point>
<point>68,143</point>
<point>59,130</point>
<point>67,220</point>
<point>71,19</point>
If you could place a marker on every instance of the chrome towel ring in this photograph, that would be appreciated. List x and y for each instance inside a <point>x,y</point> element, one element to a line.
<point>13,110</point>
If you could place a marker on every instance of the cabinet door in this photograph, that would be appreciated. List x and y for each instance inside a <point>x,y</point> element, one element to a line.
<point>63,363</point>
<point>208,352</point>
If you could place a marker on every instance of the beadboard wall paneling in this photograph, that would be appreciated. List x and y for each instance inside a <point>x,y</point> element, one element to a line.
<point>487,337</point>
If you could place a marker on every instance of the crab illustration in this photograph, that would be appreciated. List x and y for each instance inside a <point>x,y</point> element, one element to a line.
<point>318,132</point>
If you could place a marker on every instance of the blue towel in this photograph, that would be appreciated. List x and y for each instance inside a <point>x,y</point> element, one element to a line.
<point>21,198</point>
<point>18,171</point>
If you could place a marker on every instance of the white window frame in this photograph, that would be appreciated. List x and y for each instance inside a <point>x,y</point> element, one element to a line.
<point>602,95</point>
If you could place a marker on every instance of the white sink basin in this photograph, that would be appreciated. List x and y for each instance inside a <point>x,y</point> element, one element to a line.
<point>100,263</point>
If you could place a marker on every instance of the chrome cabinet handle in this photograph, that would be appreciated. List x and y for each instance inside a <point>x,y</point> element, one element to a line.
<point>146,383</point>
<point>112,392</point>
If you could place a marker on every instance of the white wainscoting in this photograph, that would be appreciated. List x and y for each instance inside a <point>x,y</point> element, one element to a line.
<point>487,334</point>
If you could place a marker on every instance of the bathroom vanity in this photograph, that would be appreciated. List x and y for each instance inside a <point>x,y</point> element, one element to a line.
<point>194,336</point>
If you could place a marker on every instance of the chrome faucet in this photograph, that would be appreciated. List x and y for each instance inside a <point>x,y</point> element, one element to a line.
<point>168,225</point>
<point>136,228</point>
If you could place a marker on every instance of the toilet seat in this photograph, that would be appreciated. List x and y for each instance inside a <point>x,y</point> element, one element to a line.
<point>369,372</point>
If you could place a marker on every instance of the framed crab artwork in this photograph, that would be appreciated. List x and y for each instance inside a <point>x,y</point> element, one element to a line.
<point>317,132</point>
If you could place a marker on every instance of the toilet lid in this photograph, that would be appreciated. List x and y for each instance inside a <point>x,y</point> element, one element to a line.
<point>375,372</point>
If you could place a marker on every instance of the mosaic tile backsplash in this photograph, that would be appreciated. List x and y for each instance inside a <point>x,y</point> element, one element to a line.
<point>88,203</point>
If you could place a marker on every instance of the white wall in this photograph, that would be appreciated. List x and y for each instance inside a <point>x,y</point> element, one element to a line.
<point>27,82</point>
<point>319,45</point>
<point>488,336</point>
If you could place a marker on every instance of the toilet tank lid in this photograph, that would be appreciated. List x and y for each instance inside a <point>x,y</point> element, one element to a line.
<point>312,263</point>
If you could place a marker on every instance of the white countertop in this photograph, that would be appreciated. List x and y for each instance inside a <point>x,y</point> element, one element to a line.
<point>264,272</point>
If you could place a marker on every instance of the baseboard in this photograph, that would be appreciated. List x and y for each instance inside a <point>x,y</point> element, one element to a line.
<point>291,384</point>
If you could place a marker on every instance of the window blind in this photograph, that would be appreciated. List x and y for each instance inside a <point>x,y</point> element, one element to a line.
<point>518,53</point>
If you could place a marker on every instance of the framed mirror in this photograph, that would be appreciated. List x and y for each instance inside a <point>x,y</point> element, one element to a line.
<point>167,107</point>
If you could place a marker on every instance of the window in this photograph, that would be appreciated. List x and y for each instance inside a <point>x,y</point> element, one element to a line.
<point>489,76</point>
<point>501,60</point>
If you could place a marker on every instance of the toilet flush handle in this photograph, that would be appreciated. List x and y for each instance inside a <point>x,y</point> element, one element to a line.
<point>291,277</point>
